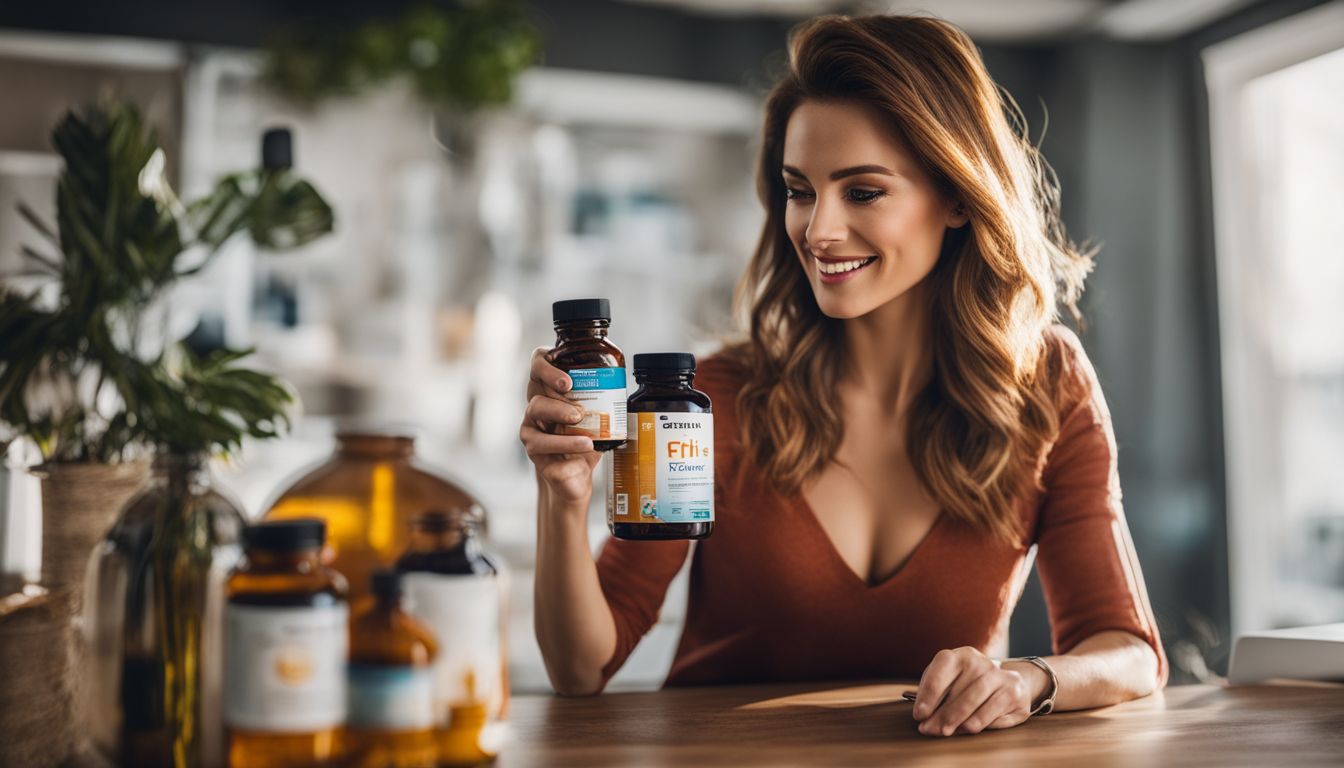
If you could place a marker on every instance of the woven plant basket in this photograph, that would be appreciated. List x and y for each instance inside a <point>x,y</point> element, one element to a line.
<point>40,656</point>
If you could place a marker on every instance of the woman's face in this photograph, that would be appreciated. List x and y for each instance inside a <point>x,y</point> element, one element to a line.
<point>866,222</point>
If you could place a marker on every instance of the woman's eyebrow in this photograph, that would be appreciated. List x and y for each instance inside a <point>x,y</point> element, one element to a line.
<point>844,172</point>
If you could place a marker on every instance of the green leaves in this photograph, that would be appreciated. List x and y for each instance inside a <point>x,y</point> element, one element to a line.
<point>278,210</point>
<point>465,56</point>
<point>78,388</point>
<point>190,404</point>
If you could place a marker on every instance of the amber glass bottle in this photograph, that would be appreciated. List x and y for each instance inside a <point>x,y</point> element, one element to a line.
<point>458,590</point>
<point>661,482</point>
<point>595,366</point>
<point>285,649</point>
<point>391,711</point>
<point>368,493</point>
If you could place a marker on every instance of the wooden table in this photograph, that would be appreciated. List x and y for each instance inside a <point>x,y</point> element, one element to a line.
<point>847,724</point>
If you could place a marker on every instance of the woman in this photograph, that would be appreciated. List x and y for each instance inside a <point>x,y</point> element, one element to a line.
<point>904,423</point>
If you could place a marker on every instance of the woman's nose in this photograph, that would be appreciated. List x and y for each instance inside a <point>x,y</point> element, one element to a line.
<point>827,226</point>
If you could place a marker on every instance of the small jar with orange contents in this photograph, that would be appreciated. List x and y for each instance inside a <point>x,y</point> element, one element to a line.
<point>286,644</point>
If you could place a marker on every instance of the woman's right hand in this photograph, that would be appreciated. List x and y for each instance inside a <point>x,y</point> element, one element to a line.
<point>564,462</point>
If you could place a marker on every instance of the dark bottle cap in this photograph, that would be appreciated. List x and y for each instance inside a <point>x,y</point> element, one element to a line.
<point>277,149</point>
<point>671,362</point>
<point>581,309</point>
<point>287,535</point>
<point>441,520</point>
<point>386,584</point>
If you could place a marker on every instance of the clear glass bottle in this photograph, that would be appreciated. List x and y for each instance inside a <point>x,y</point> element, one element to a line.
<point>286,645</point>
<point>391,710</point>
<point>152,620</point>
<point>453,585</point>
<point>368,492</point>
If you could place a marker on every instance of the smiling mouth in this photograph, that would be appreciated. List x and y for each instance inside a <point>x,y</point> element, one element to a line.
<point>841,267</point>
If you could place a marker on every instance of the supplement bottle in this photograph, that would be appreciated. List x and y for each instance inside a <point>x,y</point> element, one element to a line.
<point>285,648</point>
<point>595,365</point>
<point>661,483</point>
<point>391,709</point>
<point>457,590</point>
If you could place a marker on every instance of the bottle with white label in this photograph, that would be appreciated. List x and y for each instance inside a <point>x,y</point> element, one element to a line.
<point>286,640</point>
<point>661,483</point>
<point>457,589</point>
<point>391,709</point>
<point>596,369</point>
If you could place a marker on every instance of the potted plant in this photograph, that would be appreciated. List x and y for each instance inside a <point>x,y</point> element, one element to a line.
<point>88,371</point>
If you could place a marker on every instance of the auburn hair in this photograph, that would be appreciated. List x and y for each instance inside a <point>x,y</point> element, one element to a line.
<point>978,431</point>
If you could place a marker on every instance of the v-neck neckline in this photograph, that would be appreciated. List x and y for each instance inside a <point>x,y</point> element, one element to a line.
<point>833,554</point>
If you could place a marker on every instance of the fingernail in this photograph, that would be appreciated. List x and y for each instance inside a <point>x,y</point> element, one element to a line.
<point>562,384</point>
<point>576,417</point>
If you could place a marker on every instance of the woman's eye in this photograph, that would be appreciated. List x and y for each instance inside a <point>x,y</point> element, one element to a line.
<point>794,194</point>
<point>864,195</point>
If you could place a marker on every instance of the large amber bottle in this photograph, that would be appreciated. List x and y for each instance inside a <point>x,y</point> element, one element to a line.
<point>368,493</point>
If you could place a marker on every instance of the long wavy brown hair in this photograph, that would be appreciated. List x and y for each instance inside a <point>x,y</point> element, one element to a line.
<point>977,433</point>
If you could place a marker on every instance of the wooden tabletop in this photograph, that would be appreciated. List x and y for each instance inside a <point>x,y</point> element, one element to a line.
<point>850,725</point>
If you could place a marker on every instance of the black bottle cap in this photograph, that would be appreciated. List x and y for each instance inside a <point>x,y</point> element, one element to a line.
<point>665,361</point>
<point>287,535</point>
<point>386,584</point>
<point>581,309</point>
<point>277,149</point>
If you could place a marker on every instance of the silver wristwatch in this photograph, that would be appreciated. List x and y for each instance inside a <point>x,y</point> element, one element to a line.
<point>1047,704</point>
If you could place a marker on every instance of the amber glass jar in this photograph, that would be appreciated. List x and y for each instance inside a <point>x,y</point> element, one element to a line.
<point>286,642</point>
<point>391,710</point>
<point>457,588</point>
<point>368,493</point>
<point>596,367</point>
<point>661,482</point>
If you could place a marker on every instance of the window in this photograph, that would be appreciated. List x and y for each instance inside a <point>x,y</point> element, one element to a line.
<point>1277,124</point>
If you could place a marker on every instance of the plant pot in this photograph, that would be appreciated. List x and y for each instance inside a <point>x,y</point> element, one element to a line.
<point>79,503</point>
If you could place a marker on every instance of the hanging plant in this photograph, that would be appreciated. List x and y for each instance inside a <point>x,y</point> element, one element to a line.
<point>466,55</point>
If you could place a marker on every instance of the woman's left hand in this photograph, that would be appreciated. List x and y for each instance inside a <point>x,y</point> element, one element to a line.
<point>980,693</point>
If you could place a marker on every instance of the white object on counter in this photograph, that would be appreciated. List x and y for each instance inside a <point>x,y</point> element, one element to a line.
<point>1307,653</point>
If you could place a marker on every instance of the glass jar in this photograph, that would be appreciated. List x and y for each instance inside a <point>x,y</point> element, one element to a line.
<point>391,713</point>
<point>152,620</point>
<point>286,625</point>
<point>458,590</point>
<point>368,493</point>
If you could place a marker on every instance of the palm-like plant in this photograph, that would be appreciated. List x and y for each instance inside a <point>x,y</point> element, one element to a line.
<point>75,374</point>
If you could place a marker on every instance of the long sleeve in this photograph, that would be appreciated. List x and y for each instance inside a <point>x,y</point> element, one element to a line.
<point>1089,571</point>
<point>634,576</point>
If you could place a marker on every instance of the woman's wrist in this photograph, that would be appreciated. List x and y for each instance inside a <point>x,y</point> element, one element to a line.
<point>1038,682</point>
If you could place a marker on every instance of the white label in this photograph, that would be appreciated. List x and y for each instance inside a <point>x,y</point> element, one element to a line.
<point>390,697</point>
<point>284,668</point>
<point>685,468</point>
<point>464,613</point>
<point>601,393</point>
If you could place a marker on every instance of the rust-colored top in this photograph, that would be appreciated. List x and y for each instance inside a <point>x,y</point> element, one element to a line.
<point>771,599</point>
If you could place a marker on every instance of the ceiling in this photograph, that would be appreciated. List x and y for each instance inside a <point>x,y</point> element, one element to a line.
<point>1004,20</point>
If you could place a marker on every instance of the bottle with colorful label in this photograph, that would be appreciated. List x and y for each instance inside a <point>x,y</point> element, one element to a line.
<point>661,482</point>
<point>457,590</point>
<point>391,698</point>
<point>595,366</point>
<point>286,641</point>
